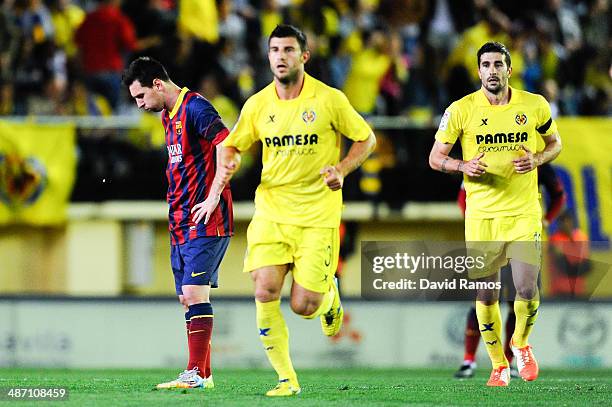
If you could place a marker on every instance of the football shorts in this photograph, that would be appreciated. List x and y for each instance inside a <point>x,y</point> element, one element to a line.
<point>501,239</point>
<point>311,252</point>
<point>196,262</point>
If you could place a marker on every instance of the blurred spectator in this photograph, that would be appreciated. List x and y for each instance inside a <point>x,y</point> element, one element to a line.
<point>66,17</point>
<point>103,39</point>
<point>368,67</point>
<point>198,28</point>
<point>153,21</point>
<point>228,111</point>
<point>34,51</point>
<point>568,259</point>
<point>81,102</point>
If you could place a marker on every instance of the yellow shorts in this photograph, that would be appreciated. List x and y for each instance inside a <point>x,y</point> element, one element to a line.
<point>311,252</point>
<point>504,238</point>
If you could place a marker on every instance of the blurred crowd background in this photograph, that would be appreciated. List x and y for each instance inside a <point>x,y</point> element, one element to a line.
<point>399,58</point>
<point>391,57</point>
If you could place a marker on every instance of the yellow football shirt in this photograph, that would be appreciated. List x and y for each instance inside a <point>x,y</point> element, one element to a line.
<point>498,131</point>
<point>299,138</point>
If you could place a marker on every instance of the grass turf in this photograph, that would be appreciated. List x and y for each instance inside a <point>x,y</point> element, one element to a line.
<point>329,387</point>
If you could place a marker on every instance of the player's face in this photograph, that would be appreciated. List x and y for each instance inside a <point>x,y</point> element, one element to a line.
<point>147,98</point>
<point>494,72</point>
<point>286,59</point>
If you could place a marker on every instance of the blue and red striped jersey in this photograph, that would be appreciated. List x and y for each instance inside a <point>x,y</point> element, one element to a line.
<point>193,130</point>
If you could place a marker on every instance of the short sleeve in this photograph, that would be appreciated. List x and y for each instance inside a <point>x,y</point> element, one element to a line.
<point>450,127</point>
<point>546,126</point>
<point>244,134</point>
<point>206,120</point>
<point>346,120</point>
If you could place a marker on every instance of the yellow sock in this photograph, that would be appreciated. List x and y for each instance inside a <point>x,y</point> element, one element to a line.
<point>326,304</point>
<point>274,336</point>
<point>489,323</point>
<point>526,314</point>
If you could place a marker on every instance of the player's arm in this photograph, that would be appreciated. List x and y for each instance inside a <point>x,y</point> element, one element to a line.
<point>530,161</point>
<point>440,160</point>
<point>357,154</point>
<point>223,173</point>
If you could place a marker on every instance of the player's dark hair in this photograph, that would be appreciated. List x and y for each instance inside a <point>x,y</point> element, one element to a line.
<point>493,46</point>
<point>287,30</point>
<point>144,70</point>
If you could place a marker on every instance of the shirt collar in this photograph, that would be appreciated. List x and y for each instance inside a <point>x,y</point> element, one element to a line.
<point>178,102</point>
<point>514,97</point>
<point>308,89</point>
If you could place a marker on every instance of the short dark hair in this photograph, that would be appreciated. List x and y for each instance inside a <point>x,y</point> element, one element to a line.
<point>287,30</point>
<point>144,70</point>
<point>494,46</point>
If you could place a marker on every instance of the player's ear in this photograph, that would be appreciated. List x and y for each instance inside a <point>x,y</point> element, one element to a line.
<point>509,71</point>
<point>305,56</point>
<point>158,84</point>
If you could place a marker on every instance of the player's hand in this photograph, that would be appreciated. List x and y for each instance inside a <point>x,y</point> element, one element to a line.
<point>526,162</point>
<point>475,167</point>
<point>205,209</point>
<point>332,177</point>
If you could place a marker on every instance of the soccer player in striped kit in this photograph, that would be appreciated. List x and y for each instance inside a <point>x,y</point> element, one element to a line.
<point>199,203</point>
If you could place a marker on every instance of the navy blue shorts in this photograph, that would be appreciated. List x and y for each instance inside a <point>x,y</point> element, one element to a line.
<point>197,261</point>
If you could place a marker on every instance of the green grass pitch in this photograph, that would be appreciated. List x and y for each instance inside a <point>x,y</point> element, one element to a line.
<point>320,387</point>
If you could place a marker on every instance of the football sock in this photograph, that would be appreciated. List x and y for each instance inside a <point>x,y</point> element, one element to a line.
<point>472,336</point>
<point>207,371</point>
<point>187,323</point>
<point>274,336</point>
<point>508,331</point>
<point>526,314</point>
<point>200,332</point>
<point>326,304</point>
<point>489,323</point>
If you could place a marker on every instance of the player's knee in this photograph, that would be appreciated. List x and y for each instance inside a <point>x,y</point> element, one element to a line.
<point>190,298</point>
<point>266,294</point>
<point>526,293</point>
<point>304,307</point>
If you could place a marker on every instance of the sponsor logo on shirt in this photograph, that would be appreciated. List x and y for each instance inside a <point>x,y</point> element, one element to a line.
<point>500,138</point>
<point>175,153</point>
<point>292,140</point>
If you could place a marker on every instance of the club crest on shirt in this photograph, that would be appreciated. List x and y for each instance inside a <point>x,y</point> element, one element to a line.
<point>179,127</point>
<point>309,116</point>
<point>520,118</point>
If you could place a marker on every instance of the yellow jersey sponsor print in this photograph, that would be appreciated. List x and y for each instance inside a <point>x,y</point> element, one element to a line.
<point>498,131</point>
<point>299,138</point>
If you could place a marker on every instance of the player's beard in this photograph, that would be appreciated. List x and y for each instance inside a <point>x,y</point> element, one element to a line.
<point>290,78</point>
<point>497,87</point>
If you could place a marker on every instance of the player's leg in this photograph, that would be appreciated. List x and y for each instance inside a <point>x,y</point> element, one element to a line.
<point>273,331</point>
<point>508,293</point>
<point>508,331</point>
<point>178,269</point>
<point>314,292</point>
<point>526,309</point>
<point>200,259</point>
<point>472,339</point>
<point>269,253</point>
<point>490,321</point>
<point>481,237</point>
<point>202,263</point>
